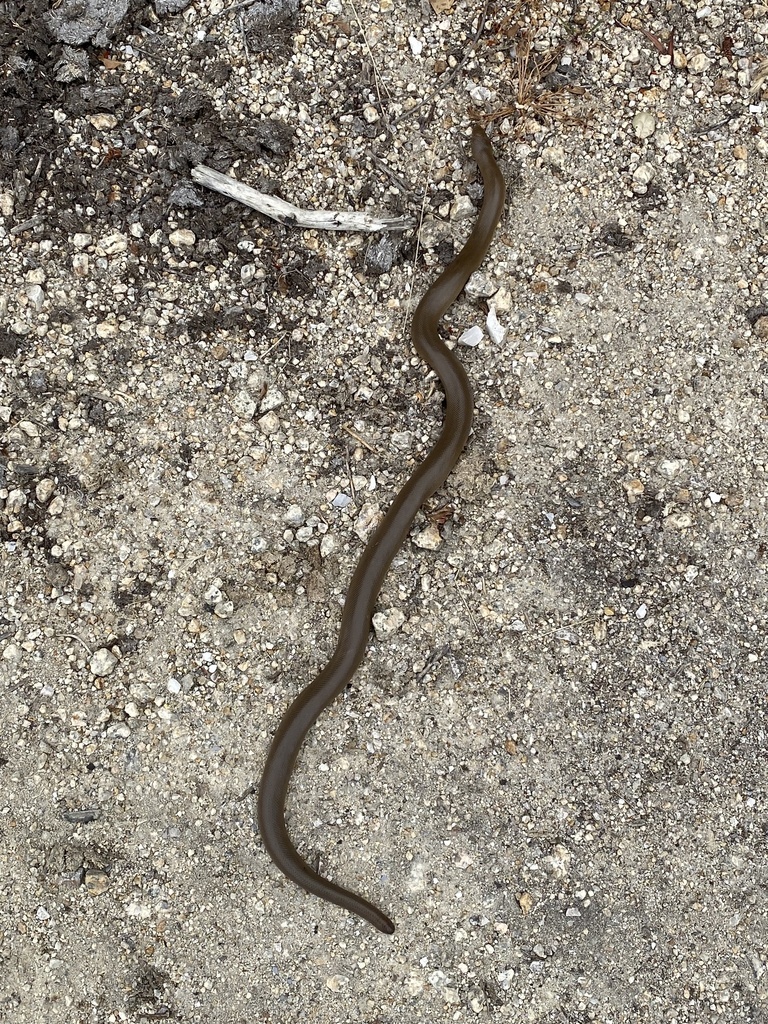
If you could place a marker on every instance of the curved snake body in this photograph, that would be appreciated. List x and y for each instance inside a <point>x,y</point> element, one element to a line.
<point>382,547</point>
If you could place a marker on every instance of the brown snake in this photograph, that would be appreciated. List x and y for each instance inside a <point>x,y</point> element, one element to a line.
<point>382,547</point>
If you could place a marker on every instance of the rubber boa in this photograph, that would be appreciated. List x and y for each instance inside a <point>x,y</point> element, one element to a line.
<point>382,547</point>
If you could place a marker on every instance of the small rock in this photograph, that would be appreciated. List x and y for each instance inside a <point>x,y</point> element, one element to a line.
<point>644,124</point>
<point>496,331</point>
<point>36,296</point>
<point>380,256</point>
<point>294,515</point>
<point>698,63</point>
<point>243,405</point>
<point>112,245</point>
<point>44,490</point>
<point>525,902</point>
<point>96,882</point>
<point>553,156</point>
<point>634,488</point>
<point>416,46</point>
<point>29,428</point>
<point>679,521</point>
<point>429,539</point>
<point>480,286</point>
<point>182,238</point>
<point>119,730</point>
<point>387,623</point>
<point>471,337</point>
<point>103,662</point>
<point>269,424</point>
<point>102,122</point>
<point>213,592</point>
<point>643,175</point>
<point>480,95</point>
<point>367,521</point>
<point>273,399</point>
<point>15,502</point>
<point>463,208</point>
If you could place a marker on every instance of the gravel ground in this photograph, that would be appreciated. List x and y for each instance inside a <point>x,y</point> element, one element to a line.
<point>551,769</point>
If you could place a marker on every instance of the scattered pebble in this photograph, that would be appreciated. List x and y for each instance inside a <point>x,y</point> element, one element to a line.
<point>428,539</point>
<point>471,337</point>
<point>103,662</point>
<point>644,124</point>
<point>496,331</point>
<point>96,882</point>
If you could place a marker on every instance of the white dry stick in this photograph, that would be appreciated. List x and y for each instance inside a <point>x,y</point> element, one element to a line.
<point>294,216</point>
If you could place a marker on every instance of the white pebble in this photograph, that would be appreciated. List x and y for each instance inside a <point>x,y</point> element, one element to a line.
<point>272,400</point>
<point>44,490</point>
<point>112,245</point>
<point>36,296</point>
<point>429,539</point>
<point>496,331</point>
<point>269,423</point>
<point>644,124</point>
<point>644,174</point>
<point>386,623</point>
<point>103,662</point>
<point>416,46</point>
<point>553,156</point>
<point>182,237</point>
<point>698,62</point>
<point>471,337</point>
<point>294,515</point>
<point>327,545</point>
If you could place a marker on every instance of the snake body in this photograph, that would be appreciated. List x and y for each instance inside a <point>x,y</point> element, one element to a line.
<point>382,547</point>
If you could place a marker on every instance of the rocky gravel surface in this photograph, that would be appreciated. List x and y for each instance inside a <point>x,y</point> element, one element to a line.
<point>551,769</point>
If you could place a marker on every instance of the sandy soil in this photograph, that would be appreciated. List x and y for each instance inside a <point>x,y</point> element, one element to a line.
<point>551,769</point>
